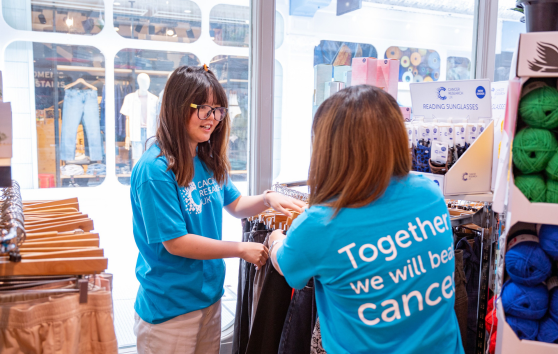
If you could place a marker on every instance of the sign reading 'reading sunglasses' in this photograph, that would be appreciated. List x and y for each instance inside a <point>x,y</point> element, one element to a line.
<point>452,99</point>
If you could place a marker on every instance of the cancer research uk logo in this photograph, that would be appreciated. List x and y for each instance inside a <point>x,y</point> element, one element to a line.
<point>480,92</point>
<point>441,94</point>
<point>465,176</point>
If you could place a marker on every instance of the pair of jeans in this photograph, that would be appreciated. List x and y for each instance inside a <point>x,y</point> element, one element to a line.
<point>120,91</point>
<point>138,147</point>
<point>80,105</point>
<point>461,298</point>
<point>296,337</point>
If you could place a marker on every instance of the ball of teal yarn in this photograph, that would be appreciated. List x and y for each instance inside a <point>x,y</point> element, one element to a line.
<point>552,167</point>
<point>533,187</point>
<point>532,149</point>
<point>552,191</point>
<point>539,108</point>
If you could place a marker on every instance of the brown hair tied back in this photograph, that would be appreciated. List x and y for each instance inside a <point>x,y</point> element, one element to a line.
<point>187,85</point>
<point>359,143</point>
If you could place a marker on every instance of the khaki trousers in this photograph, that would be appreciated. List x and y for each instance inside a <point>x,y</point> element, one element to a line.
<point>35,323</point>
<point>197,332</point>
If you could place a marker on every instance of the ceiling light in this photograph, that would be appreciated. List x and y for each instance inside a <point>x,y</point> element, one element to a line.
<point>69,22</point>
<point>187,11</point>
<point>117,29</point>
<point>170,32</point>
<point>175,35</point>
<point>116,3</point>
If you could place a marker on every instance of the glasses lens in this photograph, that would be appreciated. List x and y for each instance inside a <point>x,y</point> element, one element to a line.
<point>220,113</point>
<point>204,112</point>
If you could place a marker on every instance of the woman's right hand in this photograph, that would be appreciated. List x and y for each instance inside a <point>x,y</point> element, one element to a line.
<point>254,252</point>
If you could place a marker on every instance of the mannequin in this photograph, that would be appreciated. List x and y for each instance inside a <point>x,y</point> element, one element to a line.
<point>139,107</point>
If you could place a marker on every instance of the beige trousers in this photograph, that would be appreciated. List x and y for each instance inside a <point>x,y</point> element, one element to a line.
<point>197,332</point>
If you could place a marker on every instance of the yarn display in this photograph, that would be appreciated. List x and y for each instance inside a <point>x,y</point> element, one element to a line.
<point>532,149</point>
<point>548,238</point>
<point>533,187</point>
<point>552,168</point>
<point>539,108</point>
<point>548,330</point>
<point>551,191</point>
<point>523,328</point>
<point>527,263</point>
<point>553,298</point>
<point>524,302</point>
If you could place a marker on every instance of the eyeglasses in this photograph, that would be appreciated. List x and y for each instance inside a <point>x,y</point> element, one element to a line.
<point>204,111</point>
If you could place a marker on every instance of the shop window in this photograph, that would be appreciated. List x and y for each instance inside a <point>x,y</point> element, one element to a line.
<point>70,115</point>
<point>415,64</point>
<point>69,16</point>
<point>140,76</point>
<point>510,25</point>
<point>458,68</point>
<point>232,73</point>
<point>170,20</point>
<point>229,25</point>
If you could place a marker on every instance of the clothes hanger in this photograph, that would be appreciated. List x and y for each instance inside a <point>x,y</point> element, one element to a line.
<point>80,81</point>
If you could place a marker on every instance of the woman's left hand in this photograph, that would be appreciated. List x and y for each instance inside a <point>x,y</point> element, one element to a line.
<point>281,202</point>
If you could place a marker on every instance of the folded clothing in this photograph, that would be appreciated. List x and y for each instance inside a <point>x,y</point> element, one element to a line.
<point>97,169</point>
<point>71,170</point>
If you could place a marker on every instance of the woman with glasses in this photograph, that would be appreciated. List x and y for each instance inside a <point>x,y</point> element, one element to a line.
<point>376,239</point>
<point>178,190</point>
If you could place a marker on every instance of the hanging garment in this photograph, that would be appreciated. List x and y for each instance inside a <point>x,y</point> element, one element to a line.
<point>80,105</point>
<point>120,91</point>
<point>316,346</point>
<point>57,324</point>
<point>270,316</point>
<point>471,267</point>
<point>132,108</point>
<point>296,337</point>
<point>461,300</point>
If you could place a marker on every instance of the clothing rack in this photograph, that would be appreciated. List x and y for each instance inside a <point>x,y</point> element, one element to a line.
<point>285,189</point>
<point>12,221</point>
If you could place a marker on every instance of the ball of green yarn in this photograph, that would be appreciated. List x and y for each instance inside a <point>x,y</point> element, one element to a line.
<point>552,167</point>
<point>533,187</point>
<point>539,108</point>
<point>552,191</point>
<point>532,149</point>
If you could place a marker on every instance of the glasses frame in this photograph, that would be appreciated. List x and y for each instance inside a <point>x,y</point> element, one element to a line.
<point>212,111</point>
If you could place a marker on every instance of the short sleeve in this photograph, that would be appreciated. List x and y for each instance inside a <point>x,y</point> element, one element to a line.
<point>230,192</point>
<point>293,256</point>
<point>125,110</point>
<point>160,210</point>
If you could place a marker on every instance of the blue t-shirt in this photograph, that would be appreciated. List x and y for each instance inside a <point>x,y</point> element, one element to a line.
<point>170,285</point>
<point>383,273</point>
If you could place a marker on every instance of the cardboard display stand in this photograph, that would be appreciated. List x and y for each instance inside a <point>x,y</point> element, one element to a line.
<point>532,62</point>
<point>470,99</point>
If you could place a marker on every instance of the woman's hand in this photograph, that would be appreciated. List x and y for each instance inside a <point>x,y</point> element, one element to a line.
<point>281,202</point>
<point>254,253</point>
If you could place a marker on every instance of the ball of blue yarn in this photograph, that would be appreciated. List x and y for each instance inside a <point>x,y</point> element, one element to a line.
<point>548,237</point>
<point>528,264</point>
<point>530,303</point>
<point>524,329</point>
<point>553,301</point>
<point>548,330</point>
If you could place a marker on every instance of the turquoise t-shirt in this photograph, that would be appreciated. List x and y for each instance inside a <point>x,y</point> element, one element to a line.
<point>170,285</point>
<point>383,273</point>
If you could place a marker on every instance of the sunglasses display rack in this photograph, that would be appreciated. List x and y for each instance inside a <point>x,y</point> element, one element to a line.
<point>469,177</point>
<point>508,199</point>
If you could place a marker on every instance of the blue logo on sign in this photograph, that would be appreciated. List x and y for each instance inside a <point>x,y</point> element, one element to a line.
<point>451,130</point>
<point>443,148</point>
<point>480,92</point>
<point>462,130</point>
<point>465,176</point>
<point>440,96</point>
<point>474,129</point>
<point>438,183</point>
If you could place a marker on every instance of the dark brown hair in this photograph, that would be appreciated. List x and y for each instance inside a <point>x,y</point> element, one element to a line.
<point>187,85</point>
<point>359,143</point>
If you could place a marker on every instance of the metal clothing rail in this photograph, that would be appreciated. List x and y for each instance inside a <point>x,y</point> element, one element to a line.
<point>283,188</point>
<point>12,222</point>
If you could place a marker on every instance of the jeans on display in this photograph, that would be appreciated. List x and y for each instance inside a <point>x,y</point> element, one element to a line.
<point>296,337</point>
<point>78,105</point>
<point>138,147</point>
<point>461,299</point>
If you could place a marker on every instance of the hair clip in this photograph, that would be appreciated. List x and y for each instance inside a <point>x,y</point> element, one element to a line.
<point>205,67</point>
